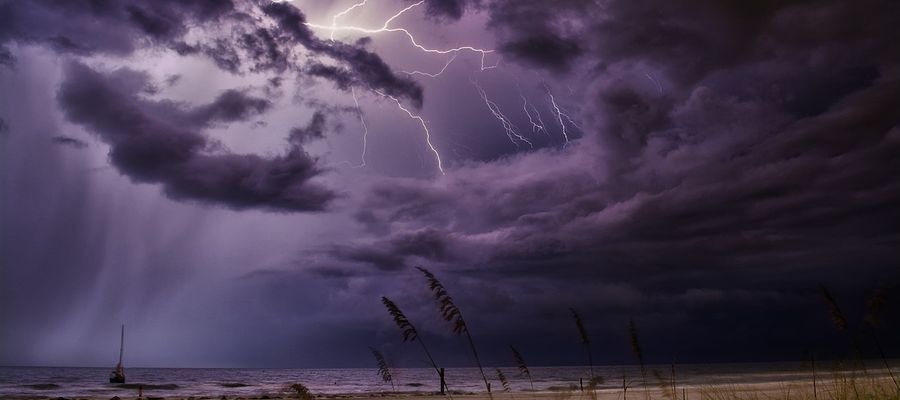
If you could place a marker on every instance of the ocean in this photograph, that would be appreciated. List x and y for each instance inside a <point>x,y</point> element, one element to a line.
<point>187,382</point>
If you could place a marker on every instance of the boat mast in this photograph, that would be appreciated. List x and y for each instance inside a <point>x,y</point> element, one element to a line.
<point>121,347</point>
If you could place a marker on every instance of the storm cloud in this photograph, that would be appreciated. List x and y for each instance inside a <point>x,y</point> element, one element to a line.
<point>723,160</point>
<point>758,148</point>
<point>69,141</point>
<point>233,36</point>
<point>83,26</point>
<point>147,146</point>
<point>177,155</point>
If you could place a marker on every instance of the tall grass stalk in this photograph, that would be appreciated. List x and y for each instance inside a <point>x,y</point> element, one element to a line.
<point>300,390</point>
<point>410,333</point>
<point>383,369</point>
<point>585,340</point>
<point>876,306</point>
<point>452,314</point>
<point>522,365</point>
<point>503,381</point>
<point>663,384</point>
<point>636,349</point>
<point>840,323</point>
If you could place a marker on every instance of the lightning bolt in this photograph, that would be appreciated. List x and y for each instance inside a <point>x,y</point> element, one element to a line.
<point>561,115</point>
<point>341,14</point>
<point>565,114</point>
<point>511,131</point>
<point>434,75</point>
<point>437,155</point>
<point>655,82</point>
<point>386,28</point>
<point>362,120</point>
<point>535,126</point>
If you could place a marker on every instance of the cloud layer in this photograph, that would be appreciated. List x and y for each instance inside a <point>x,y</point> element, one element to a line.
<point>730,157</point>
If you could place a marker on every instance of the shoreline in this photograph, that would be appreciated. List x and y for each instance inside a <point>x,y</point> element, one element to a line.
<point>829,388</point>
<point>708,383</point>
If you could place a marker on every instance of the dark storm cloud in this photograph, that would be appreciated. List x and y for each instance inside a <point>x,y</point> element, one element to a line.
<point>6,57</point>
<point>733,164</point>
<point>365,67</point>
<point>84,26</point>
<point>341,77</point>
<point>395,252</point>
<point>315,129</point>
<point>235,41</point>
<point>448,9</point>
<point>159,142</point>
<point>266,50</point>
<point>532,33</point>
<point>793,159</point>
<point>230,106</point>
<point>69,141</point>
<point>291,20</point>
<point>370,70</point>
<point>548,50</point>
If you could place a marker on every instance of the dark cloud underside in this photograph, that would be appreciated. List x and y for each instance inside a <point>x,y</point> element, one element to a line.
<point>148,147</point>
<point>740,148</point>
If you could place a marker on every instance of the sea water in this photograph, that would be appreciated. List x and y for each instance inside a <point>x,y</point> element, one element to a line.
<point>198,382</point>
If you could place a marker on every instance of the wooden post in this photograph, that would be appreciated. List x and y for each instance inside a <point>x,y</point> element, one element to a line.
<point>812,360</point>
<point>581,383</point>
<point>674,388</point>
<point>443,383</point>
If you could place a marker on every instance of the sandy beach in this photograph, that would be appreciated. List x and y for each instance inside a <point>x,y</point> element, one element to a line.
<point>829,388</point>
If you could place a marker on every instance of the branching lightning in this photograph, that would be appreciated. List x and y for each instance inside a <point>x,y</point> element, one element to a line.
<point>536,126</point>
<point>341,14</point>
<point>437,155</point>
<point>510,129</point>
<point>362,120</point>
<point>386,28</point>
<point>434,75</point>
<point>454,52</point>
<point>561,115</point>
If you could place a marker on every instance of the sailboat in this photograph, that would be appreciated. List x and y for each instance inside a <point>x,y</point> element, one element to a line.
<point>118,376</point>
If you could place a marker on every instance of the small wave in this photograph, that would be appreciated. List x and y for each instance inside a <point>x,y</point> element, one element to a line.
<point>170,386</point>
<point>562,388</point>
<point>42,386</point>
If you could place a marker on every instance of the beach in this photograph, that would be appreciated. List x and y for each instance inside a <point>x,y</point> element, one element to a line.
<point>703,381</point>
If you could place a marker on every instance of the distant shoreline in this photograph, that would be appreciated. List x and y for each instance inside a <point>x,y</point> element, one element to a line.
<point>874,362</point>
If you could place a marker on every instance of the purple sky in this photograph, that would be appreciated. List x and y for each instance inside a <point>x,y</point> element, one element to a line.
<point>200,171</point>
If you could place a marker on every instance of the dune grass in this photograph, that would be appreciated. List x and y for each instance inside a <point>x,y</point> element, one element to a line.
<point>843,383</point>
<point>451,313</point>
<point>410,333</point>
<point>383,369</point>
<point>522,366</point>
